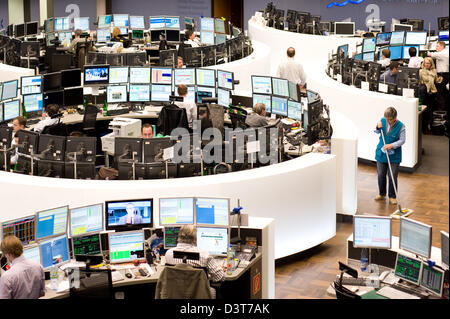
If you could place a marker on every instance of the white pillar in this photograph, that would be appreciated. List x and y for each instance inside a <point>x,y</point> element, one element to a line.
<point>15,12</point>
<point>101,7</point>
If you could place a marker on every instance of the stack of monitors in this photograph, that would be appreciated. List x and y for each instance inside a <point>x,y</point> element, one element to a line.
<point>399,42</point>
<point>372,232</point>
<point>10,108</point>
<point>32,95</point>
<point>207,31</point>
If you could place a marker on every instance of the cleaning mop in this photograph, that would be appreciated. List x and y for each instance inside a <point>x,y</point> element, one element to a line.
<point>399,212</point>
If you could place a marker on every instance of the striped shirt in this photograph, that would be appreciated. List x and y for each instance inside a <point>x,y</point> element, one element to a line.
<point>215,272</point>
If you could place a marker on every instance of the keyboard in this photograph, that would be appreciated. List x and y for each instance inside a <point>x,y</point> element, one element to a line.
<point>118,112</point>
<point>393,293</point>
<point>116,276</point>
<point>361,281</point>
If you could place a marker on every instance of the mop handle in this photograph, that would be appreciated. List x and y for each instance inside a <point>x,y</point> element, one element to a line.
<point>389,164</point>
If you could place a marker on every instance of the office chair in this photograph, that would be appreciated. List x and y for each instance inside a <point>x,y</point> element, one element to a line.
<point>82,50</point>
<point>90,283</point>
<point>89,119</point>
<point>216,113</point>
<point>343,293</point>
<point>59,129</point>
<point>170,118</point>
<point>237,116</point>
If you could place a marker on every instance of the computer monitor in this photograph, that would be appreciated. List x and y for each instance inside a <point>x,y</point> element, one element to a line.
<point>162,76</point>
<point>33,102</point>
<point>139,93</point>
<point>52,81</point>
<point>207,37</point>
<point>137,22</point>
<point>417,24</point>
<point>157,22</point>
<point>279,105</point>
<point>23,228</point>
<point>343,49</point>
<point>172,23</point>
<point>261,84</point>
<point>118,75</point>
<point>161,92</point>
<point>86,245</point>
<point>54,97</point>
<point>432,279</point>
<point>137,34</point>
<point>9,90</point>
<point>219,26</point>
<point>406,48</point>
<point>65,38</point>
<point>369,57</point>
<point>104,21</point>
<point>71,78</point>
<point>415,237</point>
<point>205,92</point>
<point>344,28</point>
<point>96,74</point>
<point>126,246</point>
<point>223,97</point>
<point>295,110</point>
<point>49,25</point>
<point>171,236</point>
<point>206,77</point>
<point>207,24</point>
<point>212,211</point>
<point>396,53</point>
<point>191,95</point>
<point>225,80</point>
<point>49,37</point>
<point>103,35</point>
<point>57,246</point>
<point>408,269</point>
<point>176,211</point>
<point>293,91</point>
<point>32,28</point>
<point>52,147</point>
<point>443,23</point>
<point>184,76</point>
<point>280,87</point>
<point>33,252</point>
<point>129,214</point>
<point>444,248</point>
<point>264,99</point>
<point>121,20</point>
<point>443,36</point>
<point>220,38</point>
<point>397,38</point>
<point>401,27</point>
<point>416,38</point>
<point>86,220</point>
<point>140,75</point>
<point>85,147</point>
<point>116,94</point>
<point>369,45</point>
<point>81,23</point>
<point>215,240</point>
<point>384,38</point>
<point>372,232</point>
<point>62,24</point>
<point>154,149</point>
<point>51,222</point>
<point>19,30</point>
<point>31,84</point>
<point>11,110</point>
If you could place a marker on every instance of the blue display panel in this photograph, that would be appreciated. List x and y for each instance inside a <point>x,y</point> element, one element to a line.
<point>56,246</point>
<point>212,211</point>
<point>51,222</point>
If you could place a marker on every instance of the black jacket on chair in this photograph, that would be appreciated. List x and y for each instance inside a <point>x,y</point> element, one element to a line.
<point>170,118</point>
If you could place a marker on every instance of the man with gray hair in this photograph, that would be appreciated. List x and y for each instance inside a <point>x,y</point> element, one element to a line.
<point>292,70</point>
<point>78,38</point>
<point>258,117</point>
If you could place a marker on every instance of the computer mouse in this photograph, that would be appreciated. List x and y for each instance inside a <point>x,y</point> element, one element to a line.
<point>128,275</point>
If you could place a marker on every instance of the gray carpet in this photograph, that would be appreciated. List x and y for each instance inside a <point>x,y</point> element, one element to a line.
<point>435,160</point>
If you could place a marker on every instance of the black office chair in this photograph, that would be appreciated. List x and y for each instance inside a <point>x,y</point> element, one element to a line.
<point>59,129</point>
<point>237,116</point>
<point>89,119</point>
<point>343,293</point>
<point>90,283</point>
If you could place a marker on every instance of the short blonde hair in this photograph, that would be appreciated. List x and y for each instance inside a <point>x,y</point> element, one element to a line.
<point>12,245</point>
<point>429,60</point>
<point>187,234</point>
<point>116,32</point>
<point>259,107</point>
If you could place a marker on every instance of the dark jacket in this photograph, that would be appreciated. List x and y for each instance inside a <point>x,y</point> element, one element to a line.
<point>170,118</point>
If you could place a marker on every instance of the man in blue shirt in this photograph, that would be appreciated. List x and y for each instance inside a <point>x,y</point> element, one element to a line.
<point>390,76</point>
<point>395,136</point>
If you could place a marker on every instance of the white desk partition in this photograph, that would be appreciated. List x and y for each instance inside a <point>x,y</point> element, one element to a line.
<point>9,73</point>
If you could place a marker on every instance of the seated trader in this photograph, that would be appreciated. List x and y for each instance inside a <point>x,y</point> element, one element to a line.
<point>147,131</point>
<point>292,70</point>
<point>132,217</point>
<point>191,107</point>
<point>25,279</point>
<point>258,117</point>
<point>385,58</point>
<point>428,91</point>
<point>414,60</point>
<point>50,118</point>
<point>78,38</point>
<point>391,75</point>
<point>180,63</point>
<point>191,39</point>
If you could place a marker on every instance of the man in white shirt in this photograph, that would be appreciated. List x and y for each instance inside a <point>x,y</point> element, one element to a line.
<point>292,70</point>
<point>191,39</point>
<point>191,107</point>
<point>18,124</point>
<point>414,60</point>
<point>442,68</point>
<point>386,58</point>
<point>49,118</point>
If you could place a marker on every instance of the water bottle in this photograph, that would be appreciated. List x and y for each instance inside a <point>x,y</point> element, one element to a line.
<point>230,260</point>
<point>105,109</point>
<point>364,259</point>
<point>54,273</point>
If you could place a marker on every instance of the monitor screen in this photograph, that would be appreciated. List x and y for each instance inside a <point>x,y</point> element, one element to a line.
<point>205,92</point>
<point>87,219</point>
<point>220,38</point>
<point>214,240</point>
<point>444,248</point>
<point>408,268</point>
<point>372,232</point>
<point>261,84</point>
<point>401,27</point>
<point>225,80</point>
<point>116,94</point>
<point>206,77</point>
<point>9,90</point>
<point>96,75</point>
<point>126,246</point>
<point>219,26</point>
<point>52,81</point>
<point>207,37</point>
<point>384,38</point>
<point>295,110</point>
<point>137,34</point>
<point>31,85</point>
<point>223,97</point>
<point>369,57</point>
<point>397,38</point>
<point>139,75</point>
<point>104,22</point>
<point>22,228</point>
<point>443,36</point>
<point>139,93</point>
<point>49,37</point>
<point>32,28</point>
<point>207,24</point>
<point>120,20</point>
<point>161,92</point>
<point>358,56</point>
<point>118,75</point>
<point>137,22</point>
<point>81,23</point>
<point>344,49</point>
<point>62,24</point>
<point>157,23</point>
<point>173,23</point>
<point>51,222</point>
<point>396,53</point>
<point>54,247</point>
<point>71,78</point>
<point>176,211</point>
<point>264,99</point>
<point>103,35</point>
<point>171,237</point>
<point>190,95</point>
<point>293,91</point>
<point>406,48</point>
<point>33,253</point>
<point>415,237</point>
<point>11,110</point>
<point>162,76</point>
<point>65,38</point>
<point>344,28</point>
<point>49,25</point>
<point>280,87</point>
<point>33,102</point>
<point>432,279</point>
<point>124,31</point>
<point>279,105</point>
<point>184,76</point>
<point>369,44</point>
<point>135,214</point>
<point>86,245</point>
<point>416,38</point>
<point>212,211</point>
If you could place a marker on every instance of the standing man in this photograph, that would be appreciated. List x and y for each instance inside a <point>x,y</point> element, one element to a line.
<point>292,70</point>
<point>442,68</point>
<point>395,136</point>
